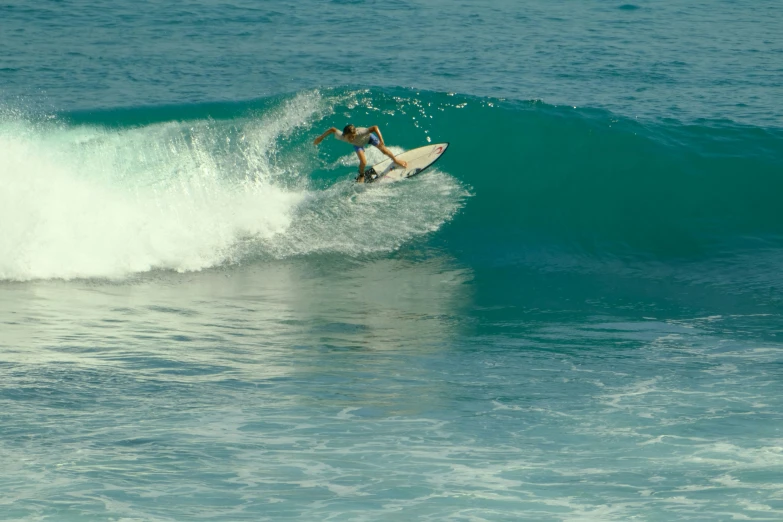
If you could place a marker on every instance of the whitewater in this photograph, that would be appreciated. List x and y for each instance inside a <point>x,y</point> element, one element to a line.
<point>85,201</point>
<point>575,315</point>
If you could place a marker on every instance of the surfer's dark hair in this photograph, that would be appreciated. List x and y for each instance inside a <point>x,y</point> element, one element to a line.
<point>349,129</point>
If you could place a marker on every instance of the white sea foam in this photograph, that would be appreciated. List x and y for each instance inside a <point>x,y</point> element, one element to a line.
<point>99,203</point>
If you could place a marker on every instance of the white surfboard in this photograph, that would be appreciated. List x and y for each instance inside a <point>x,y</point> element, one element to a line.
<point>417,159</point>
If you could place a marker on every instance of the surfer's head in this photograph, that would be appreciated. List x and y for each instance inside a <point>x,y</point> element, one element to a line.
<point>349,130</point>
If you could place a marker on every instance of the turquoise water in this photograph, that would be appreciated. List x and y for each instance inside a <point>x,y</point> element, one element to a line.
<point>575,315</point>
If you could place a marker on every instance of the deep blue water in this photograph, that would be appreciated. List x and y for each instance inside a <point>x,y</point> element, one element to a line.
<point>576,315</point>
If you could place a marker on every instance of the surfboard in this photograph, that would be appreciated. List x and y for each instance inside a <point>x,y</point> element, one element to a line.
<point>417,159</point>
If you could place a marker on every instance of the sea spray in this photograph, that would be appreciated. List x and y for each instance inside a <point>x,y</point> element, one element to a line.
<point>91,202</point>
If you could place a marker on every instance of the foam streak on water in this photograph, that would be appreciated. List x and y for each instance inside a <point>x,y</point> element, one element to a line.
<point>300,391</point>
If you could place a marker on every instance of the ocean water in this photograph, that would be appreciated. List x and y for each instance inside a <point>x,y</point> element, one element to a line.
<point>576,315</point>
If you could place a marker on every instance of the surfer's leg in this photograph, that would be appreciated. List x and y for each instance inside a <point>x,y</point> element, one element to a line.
<point>386,151</point>
<point>362,163</point>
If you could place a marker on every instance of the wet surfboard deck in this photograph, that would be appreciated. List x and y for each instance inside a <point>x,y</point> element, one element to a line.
<point>417,159</point>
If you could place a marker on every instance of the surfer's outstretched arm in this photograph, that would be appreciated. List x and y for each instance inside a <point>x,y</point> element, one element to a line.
<point>377,132</point>
<point>320,138</point>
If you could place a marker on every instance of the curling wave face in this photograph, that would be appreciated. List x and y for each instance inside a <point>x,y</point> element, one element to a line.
<point>124,191</point>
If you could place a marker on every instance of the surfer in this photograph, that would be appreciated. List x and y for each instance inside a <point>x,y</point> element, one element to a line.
<point>359,137</point>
